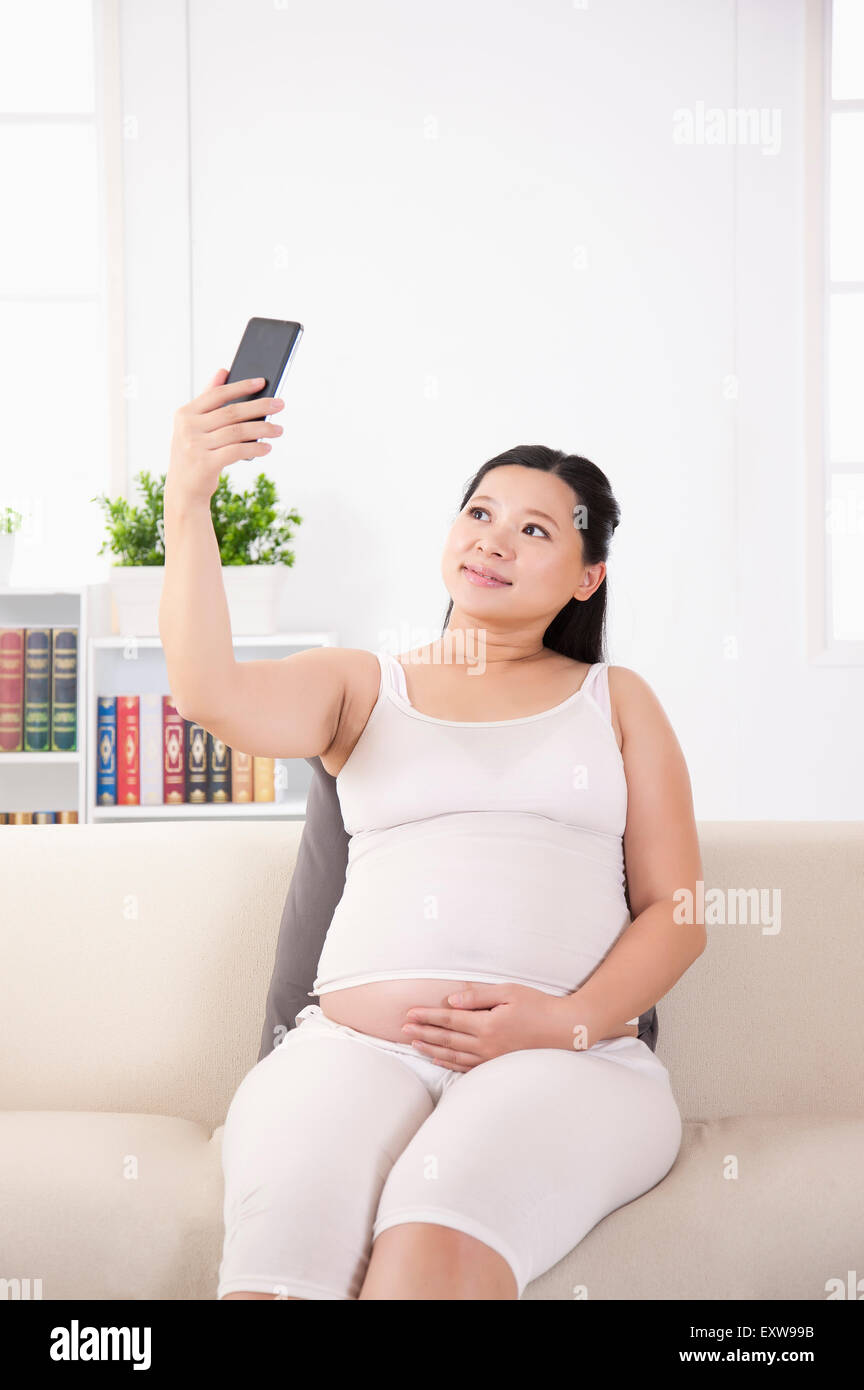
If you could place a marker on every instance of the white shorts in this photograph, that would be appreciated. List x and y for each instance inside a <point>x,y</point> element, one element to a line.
<point>337,1135</point>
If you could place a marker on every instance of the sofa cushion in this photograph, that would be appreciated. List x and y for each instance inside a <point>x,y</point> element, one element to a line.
<point>754,1207</point>
<point>102,1205</point>
<point>99,1206</point>
<point>313,894</point>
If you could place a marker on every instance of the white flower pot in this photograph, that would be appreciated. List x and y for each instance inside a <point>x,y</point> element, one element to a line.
<point>253,598</point>
<point>136,591</point>
<point>252,592</point>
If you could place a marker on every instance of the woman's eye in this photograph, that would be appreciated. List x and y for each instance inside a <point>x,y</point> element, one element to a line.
<point>472,510</point>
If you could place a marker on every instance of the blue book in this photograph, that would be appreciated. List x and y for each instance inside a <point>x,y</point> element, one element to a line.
<point>106,750</point>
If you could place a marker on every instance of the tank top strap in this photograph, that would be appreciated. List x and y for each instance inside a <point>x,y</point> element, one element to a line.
<point>393,673</point>
<point>596,684</point>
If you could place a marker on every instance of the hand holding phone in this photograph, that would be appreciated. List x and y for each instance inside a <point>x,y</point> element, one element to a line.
<point>225,424</point>
<point>218,427</point>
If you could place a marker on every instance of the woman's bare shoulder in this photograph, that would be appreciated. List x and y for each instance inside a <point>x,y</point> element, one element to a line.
<point>634,700</point>
<point>362,674</point>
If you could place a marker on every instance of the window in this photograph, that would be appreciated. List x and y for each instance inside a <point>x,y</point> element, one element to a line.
<point>835,332</point>
<point>55,250</point>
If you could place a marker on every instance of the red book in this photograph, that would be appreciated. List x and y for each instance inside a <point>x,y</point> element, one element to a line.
<point>173,765</point>
<point>11,689</point>
<point>128,738</point>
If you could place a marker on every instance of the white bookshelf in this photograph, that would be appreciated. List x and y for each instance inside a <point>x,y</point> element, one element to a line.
<point>109,664</point>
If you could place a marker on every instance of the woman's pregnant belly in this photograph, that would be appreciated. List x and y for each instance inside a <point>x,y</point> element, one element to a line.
<point>380,1008</point>
<point>518,896</point>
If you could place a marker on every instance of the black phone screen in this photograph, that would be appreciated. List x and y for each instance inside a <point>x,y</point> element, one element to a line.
<point>266,349</point>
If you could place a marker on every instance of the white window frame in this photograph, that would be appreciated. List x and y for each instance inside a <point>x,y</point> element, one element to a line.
<point>106,119</point>
<point>822,648</point>
<point>107,78</point>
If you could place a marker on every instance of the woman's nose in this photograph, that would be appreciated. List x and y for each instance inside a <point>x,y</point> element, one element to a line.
<point>494,545</point>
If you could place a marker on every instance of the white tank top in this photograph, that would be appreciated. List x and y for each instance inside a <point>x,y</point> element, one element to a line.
<point>480,851</point>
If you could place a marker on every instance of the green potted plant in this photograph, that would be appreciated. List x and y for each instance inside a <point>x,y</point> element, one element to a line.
<point>253,538</point>
<point>10,523</point>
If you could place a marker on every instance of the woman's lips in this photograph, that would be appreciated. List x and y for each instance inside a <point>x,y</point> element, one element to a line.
<point>483,581</point>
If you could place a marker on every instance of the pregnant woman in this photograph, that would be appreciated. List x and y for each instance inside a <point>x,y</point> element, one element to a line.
<point>470,1097</point>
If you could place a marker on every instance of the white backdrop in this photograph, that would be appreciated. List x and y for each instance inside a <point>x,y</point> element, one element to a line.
<point>481,214</point>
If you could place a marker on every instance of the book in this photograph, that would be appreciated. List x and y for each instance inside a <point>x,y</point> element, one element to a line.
<point>263,778</point>
<point>173,763</point>
<point>64,689</point>
<point>106,750</point>
<point>242,787</point>
<point>11,689</point>
<point>150,743</point>
<point>218,769</point>
<point>195,744</point>
<point>128,729</point>
<point>37,689</point>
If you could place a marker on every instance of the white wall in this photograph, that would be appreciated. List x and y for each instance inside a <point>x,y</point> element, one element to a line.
<point>478,211</point>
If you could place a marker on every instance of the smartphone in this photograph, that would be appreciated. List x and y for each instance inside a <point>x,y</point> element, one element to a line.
<point>266,349</point>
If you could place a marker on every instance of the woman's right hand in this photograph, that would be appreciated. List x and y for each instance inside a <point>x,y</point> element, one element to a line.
<point>214,430</point>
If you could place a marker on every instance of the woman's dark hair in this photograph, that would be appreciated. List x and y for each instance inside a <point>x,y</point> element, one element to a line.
<point>579,630</point>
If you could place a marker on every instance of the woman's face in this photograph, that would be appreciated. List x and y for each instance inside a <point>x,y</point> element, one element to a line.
<point>519,523</point>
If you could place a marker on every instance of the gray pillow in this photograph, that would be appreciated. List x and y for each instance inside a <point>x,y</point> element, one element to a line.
<point>315,889</point>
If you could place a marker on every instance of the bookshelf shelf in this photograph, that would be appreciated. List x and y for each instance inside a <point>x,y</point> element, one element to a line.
<point>40,758</point>
<point>229,810</point>
<point>300,640</point>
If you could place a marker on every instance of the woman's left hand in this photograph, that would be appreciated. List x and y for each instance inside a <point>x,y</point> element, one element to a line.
<point>484,1022</point>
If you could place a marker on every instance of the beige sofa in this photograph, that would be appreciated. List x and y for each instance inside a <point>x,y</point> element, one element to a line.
<point>135,965</point>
